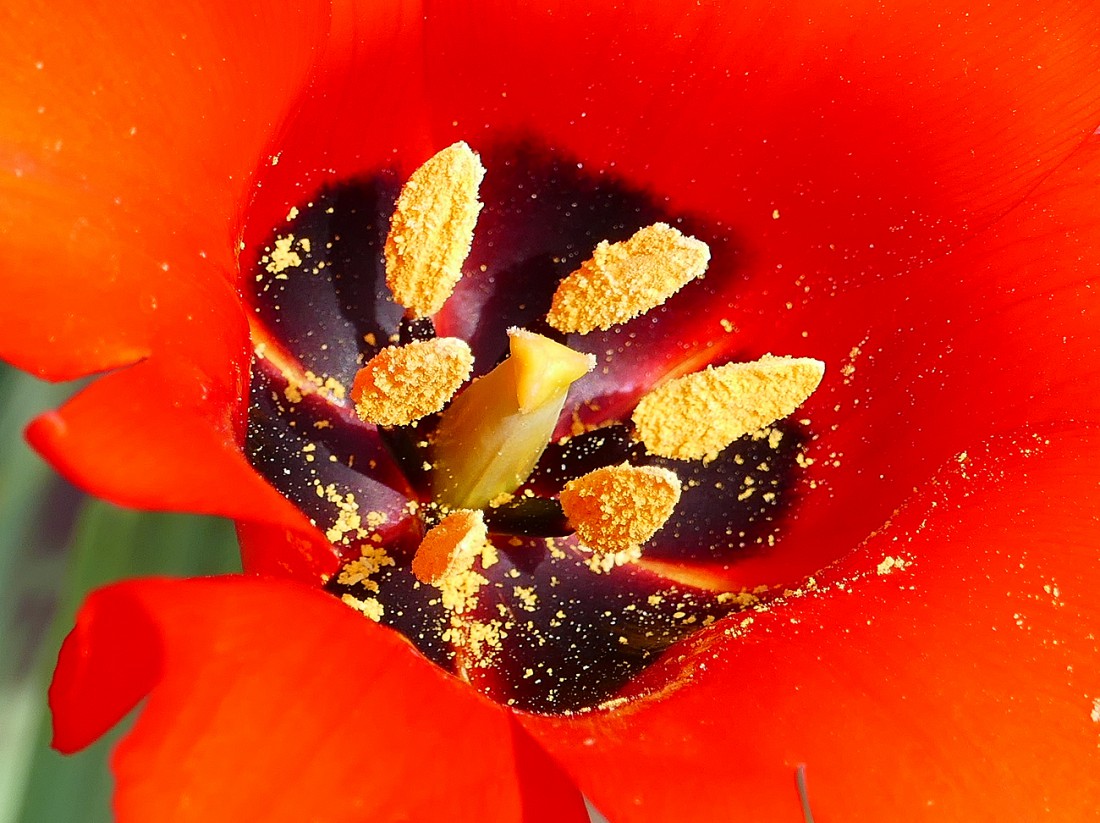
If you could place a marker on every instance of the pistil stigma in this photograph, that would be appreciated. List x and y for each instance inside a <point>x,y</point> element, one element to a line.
<point>490,438</point>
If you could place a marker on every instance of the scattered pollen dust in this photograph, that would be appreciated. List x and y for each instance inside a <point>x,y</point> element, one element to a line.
<point>359,572</point>
<point>848,367</point>
<point>298,386</point>
<point>283,256</point>
<point>890,564</point>
<point>602,563</point>
<point>1055,593</point>
<point>368,606</point>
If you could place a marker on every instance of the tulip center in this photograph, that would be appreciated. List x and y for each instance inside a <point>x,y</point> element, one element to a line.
<point>544,529</point>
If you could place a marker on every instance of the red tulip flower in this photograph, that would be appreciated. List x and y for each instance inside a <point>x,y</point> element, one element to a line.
<point>907,194</point>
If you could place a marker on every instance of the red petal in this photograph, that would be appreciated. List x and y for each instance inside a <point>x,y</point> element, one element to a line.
<point>849,120</point>
<point>999,335</point>
<point>157,440</point>
<point>961,687</point>
<point>836,145</point>
<point>133,138</point>
<point>272,701</point>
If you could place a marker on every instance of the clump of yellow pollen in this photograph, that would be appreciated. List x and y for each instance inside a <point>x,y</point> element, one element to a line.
<point>432,228</point>
<point>623,280</point>
<point>696,416</point>
<point>450,547</point>
<point>402,384</point>
<point>618,508</point>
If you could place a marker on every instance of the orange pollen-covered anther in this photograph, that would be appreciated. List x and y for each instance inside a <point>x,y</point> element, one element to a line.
<point>432,228</point>
<point>402,384</point>
<point>696,416</point>
<point>450,547</point>
<point>617,508</point>
<point>623,280</point>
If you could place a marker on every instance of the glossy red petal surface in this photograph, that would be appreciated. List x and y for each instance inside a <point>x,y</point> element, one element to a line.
<point>849,120</point>
<point>1001,334</point>
<point>151,436</point>
<point>960,687</point>
<point>129,141</point>
<point>339,720</point>
<point>856,141</point>
<point>853,119</point>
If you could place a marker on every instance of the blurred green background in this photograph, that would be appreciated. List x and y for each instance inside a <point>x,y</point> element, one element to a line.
<point>55,546</point>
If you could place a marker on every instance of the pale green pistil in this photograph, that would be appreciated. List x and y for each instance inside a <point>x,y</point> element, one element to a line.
<point>492,435</point>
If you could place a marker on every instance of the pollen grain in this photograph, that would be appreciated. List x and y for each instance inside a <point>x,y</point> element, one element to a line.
<point>432,228</point>
<point>450,548</point>
<point>623,280</point>
<point>402,384</point>
<point>618,508</point>
<point>696,416</point>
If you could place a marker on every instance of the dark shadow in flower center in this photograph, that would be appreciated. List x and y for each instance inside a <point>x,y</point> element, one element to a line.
<point>544,625</point>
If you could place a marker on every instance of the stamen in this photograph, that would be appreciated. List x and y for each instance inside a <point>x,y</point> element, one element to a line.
<point>618,508</point>
<point>402,384</point>
<point>450,547</point>
<point>624,280</point>
<point>696,416</point>
<point>432,228</point>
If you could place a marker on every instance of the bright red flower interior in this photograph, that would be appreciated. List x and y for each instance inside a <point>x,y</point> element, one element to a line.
<point>550,631</point>
<point>895,180</point>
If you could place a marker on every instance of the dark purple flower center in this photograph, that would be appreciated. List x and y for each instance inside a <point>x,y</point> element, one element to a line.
<point>544,631</point>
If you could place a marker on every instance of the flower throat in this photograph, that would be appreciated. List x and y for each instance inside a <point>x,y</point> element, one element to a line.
<point>545,560</point>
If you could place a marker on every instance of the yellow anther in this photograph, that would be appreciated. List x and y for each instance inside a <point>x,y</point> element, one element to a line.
<point>450,547</point>
<point>432,228</point>
<point>624,280</point>
<point>696,416</point>
<point>402,384</point>
<point>618,508</point>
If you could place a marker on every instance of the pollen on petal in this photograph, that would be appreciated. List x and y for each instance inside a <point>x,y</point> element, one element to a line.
<point>450,547</point>
<point>624,280</point>
<point>432,228</point>
<point>618,508</point>
<point>696,416</point>
<point>402,384</point>
<point>368,607</point>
